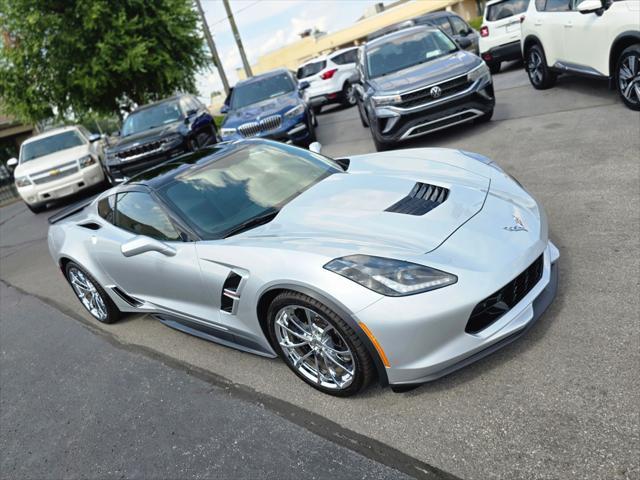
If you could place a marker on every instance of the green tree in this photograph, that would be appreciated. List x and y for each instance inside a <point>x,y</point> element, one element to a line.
<point>72,58</point>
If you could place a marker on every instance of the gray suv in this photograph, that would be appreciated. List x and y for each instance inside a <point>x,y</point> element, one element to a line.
<point>416,81</point>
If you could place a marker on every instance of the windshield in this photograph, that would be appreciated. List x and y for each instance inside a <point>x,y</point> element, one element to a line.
<point>151,117</point>
<point>248,183</point>
<point>260,90</point>
<point>407,51</point>
<point>47,145</point>
<point>310,69</point>
<point>505,9</point>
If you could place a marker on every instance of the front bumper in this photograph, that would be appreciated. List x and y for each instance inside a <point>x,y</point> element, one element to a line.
<point>392,124</point>
<point>295,130</point>
<point>503,53</point>
<point>64,187</point>
<point>119,172</point>
<point>435,343</point>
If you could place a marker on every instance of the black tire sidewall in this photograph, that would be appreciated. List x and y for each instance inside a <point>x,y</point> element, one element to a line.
<point>548,77</point>
<point>363,363</point>
<point>632,49</point>
<point>113,314</point>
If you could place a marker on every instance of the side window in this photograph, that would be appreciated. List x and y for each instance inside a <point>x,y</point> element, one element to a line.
<point>443,24</point>
<point>351,56</point>
<point>138,213</point>
<point>459,27</point>
<point>540,4</point>
<point>85,133</point>
<point>338,59</point>
<point>106,208</point>
<point>557,6</point>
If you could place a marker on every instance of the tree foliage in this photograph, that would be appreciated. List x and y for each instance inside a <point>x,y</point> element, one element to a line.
<point>62,58</point>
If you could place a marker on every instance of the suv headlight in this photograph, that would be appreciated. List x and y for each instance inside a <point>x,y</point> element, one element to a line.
<point>295,111</point>
<point>383,100</point>
<point>480,71</point>
<point>86,161</point>
<point>22,182</point>
<point>227,132</point>
<point>393,278</point>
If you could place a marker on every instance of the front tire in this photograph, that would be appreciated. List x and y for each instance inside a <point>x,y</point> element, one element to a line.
<point>628,76</point>
<point>540,76</point>
<point>485,117</point>
<point>318,345</point>
<point>363,115</point>
<point>91,295</point>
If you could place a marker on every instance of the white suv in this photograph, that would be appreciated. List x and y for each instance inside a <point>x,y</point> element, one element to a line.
<point>500,32</point>
<point>599,38</point>
<point>330,78</point>
<point>56,164</point>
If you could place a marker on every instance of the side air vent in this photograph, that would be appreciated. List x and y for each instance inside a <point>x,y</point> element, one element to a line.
<point>344,163</point>
<point>422,199</point>
<point>90,225</point>
<point>134,302</point>
<point>230,292</point>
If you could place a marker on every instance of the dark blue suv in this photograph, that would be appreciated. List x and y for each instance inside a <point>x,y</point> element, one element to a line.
<point>270,105</point>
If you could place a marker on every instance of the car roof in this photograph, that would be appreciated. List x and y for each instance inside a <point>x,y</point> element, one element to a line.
<point>50,133</point>
<point>398,34</point>
<point>257,78</point>
<point>326,56</point>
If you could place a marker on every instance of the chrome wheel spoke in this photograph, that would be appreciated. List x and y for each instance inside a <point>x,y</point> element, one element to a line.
<point>296,334</point>
<point>336,362</point>
<point>301,359</point>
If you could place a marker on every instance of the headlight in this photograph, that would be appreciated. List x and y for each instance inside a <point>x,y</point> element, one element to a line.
<point>227,132</point>
<point>480,71</point>
<point>23,182</point>
<point>393,278</point>
<point>171,141</point>
<point>295,111</point>
<point>86,161</point>
<point>382,100</point>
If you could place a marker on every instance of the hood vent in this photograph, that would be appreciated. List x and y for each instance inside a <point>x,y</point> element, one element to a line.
<point>421,199</point>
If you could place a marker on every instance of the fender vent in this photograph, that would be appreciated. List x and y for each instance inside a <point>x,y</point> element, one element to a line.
<point>90,225</point>
<point>230,294</point>
<point>134,302</point>
<point>421,199</point>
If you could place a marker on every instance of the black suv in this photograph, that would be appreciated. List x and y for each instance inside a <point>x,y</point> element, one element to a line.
<point>156,132</point>
<point>416,81</point>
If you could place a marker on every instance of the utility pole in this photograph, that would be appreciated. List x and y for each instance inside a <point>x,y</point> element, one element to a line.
<point>212,47</point>
<point>236,35</point>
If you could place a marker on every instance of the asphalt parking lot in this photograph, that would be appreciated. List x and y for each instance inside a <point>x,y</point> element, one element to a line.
<point>562,402</point>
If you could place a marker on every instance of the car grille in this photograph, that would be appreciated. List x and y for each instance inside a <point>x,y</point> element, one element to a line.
<point>437,124</point>
<point>495,306</point>
<point>141,150</point>
<point>423,96</point>
<point>422,199</point>
<point>267,124</point>
<point>54,173</point>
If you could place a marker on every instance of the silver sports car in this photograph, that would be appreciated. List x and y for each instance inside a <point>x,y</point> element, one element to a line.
<point>400,266</point>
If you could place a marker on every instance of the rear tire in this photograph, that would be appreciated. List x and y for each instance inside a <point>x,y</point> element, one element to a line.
<point>494,67</point>
<point>91,295</point>
<point>540,76</point>
<point>628,76</point>
<point>348,95</point>
<point>320,334</point>
<point>317,109</point>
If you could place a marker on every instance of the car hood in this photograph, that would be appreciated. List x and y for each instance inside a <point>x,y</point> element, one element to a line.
<point>435,71</point>
<point>347,210</point>
<point>117,144</point>
<point>257,111</point>
<point>51,161</point>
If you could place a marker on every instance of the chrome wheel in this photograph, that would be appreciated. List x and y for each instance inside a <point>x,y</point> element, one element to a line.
<point>314,347</point>
<point>534,67</point>
<point>629,78</point>
<point>350,95</point>
<point>88,294</point>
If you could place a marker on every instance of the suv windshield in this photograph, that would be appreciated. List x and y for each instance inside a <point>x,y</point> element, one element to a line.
<point>310,69</point>
<point>406,51</point>
<point>246,184</point>
<point>151,117</point>
<point>47,145</point>
<point>505,9</point>
<point>262,89</point>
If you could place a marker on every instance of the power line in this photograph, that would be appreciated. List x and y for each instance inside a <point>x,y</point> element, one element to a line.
<point>235,13</point>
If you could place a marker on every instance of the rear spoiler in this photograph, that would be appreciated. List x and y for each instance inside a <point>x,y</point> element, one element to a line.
<point>71,210</point>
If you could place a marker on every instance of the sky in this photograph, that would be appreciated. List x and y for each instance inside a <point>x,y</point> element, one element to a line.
<point>266,25</point>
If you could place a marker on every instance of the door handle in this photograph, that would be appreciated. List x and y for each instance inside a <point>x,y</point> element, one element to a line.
<point>568,25</point>
<point>537,23</point>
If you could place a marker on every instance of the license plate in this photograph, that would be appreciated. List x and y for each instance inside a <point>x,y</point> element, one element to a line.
<point>63,192</point>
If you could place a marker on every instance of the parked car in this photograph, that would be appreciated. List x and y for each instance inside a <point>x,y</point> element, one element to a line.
<point>450,23</point>
<point>276,250</point>
<point>330,78</point>
<point>589,37</point>
<point>270,105</point>
<point>417,81</point>
<point>56,164</point>
<point>500,32</point>
<point>157,132</point>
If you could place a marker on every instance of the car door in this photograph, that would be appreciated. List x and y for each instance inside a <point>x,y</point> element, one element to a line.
<point>170,281</point>
<point>583,34</point>
<point>548,26</point>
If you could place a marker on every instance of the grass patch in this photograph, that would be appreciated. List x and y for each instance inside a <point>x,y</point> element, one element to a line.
<point>476,23</point>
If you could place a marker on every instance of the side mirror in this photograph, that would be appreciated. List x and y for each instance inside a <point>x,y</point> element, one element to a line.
<point>193,111</point>
<point>464,42</point>
<point>142,244</point>
<point>224,109</point>
<point>315,147</point>
<point>94,137</point>
<point>303,85</point>
<point>591,6</point>
<point>12,163</point>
